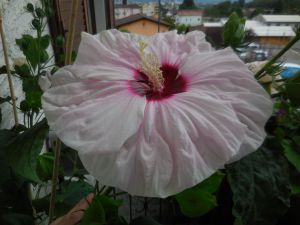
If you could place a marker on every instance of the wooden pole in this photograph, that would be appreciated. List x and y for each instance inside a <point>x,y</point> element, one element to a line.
<point>71,32</point>
<point>10,83</point>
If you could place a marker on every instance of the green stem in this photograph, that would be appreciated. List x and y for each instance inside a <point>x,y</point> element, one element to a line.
<point>260,74</point>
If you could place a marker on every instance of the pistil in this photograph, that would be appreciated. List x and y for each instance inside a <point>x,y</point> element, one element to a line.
<point>150,66</point>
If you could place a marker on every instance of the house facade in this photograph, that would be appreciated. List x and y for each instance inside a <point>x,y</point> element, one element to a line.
<point>150,9</point>
<point>141,24</point>
<point>122,11</point>
<point>279,20</point>
<point>191,17</point>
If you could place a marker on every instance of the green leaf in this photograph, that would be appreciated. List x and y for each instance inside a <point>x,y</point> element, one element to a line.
<point>110,207</point>
<point>60,41</point>
<point>45,41</point>
<point>30,7</point>
<point>36,24</point>
<point>71,192</point>
<point>199,200</point>
<point>23,70</point>
<point>16,219</point>
<point>3,70</point>
<point>40,12</point>
<point>234,31</point>
<point>29,47</point>
<point>144,220</point>
<point>7,99</point>
<point>22,149</point>
<point>33,92</point>
<point>260,186</point>
<point>45,166</point>
<point>95,214</point>
<point>291,154</point>
<point>292,90</point>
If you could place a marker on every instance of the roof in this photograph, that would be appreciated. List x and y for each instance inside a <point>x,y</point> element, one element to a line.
<point>281,18</point>
<point>273,31</point>
<point>252,23</point>
<point>190,12</point>
<point>213,24</point>
<point>130,6</point>
<point>137,17</point>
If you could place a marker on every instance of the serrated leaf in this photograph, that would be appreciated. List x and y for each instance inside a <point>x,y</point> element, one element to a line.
<point>291,154</point>
<point>22,149</point>
<point>260,186</point>
<point>199,200</point>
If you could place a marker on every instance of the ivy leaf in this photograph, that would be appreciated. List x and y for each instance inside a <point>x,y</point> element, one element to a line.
<point>292,89</point>
<point>234,31</point>
<point>22,149</point>
<point>144,220</point>
<point>198,200</point>
<point>291,154</point>
<point>260,186</point>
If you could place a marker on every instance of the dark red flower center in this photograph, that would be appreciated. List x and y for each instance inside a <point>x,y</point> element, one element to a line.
<point>173,84</point>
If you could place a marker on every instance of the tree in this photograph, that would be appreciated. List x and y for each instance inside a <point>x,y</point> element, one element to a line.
<point>188,4</point>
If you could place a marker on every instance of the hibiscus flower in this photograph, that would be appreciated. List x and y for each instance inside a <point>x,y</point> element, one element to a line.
<point>156,115</point>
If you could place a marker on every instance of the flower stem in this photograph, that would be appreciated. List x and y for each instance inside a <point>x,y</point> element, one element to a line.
<point>54,179</point>
<point>10,83</point>
<point>71,32</point>
<point>260,74</point>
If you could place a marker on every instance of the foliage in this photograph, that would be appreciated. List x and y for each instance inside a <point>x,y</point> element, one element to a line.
<point>188,4</point>
<point>262,183</point>
<point>234,31</point>
<point>260,186</point>
<point>223,9</point>
<point>199,200</point>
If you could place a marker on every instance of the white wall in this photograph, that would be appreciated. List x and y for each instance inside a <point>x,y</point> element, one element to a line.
<point>16,22</point>
<point>189,20</point>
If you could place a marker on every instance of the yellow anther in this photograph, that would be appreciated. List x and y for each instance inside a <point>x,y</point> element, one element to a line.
<point>151,67</point>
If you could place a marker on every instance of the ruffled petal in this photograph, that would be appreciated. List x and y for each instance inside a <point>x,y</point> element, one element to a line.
<point>109,48</point>
<point>180,143</point>
<point>171,47</point>
<point>223,76</point>
<point>91,115</point>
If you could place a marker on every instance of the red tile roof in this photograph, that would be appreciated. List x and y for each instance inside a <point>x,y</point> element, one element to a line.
<point>190,12</point>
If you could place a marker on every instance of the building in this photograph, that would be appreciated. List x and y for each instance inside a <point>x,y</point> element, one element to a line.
<point>142,24</point>
<point>279,20</point>
<point>190,17</point>
<point>272,35</point>
<point>122,11</point>
<point>150,9</point>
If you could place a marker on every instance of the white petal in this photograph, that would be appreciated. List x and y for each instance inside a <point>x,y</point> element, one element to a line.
<point>93,117</point>
<point>95,51</point>
<point>223,76</point>
<point>179,144</point>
